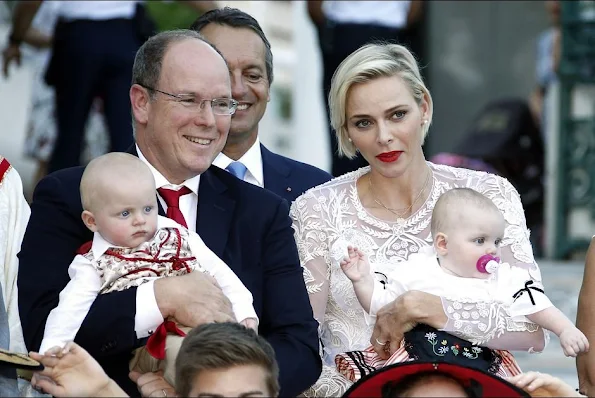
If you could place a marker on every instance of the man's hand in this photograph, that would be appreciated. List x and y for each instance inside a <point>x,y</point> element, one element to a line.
<point>70,372</point>
<point>542,385</point>
<point>11,53</point>
<point>192,300</point>
<point>152,385</point>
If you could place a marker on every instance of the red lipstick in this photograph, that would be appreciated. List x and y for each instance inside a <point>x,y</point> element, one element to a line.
<point>389,157</point>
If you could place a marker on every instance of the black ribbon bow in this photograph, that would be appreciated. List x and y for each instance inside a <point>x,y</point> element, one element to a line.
<point>527,289</point>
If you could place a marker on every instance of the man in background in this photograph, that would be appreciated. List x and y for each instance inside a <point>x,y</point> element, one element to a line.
<point>248,53</point>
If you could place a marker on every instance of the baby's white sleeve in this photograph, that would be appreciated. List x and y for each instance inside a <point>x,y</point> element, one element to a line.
<point>384,293</point>
<point>76,299</point>
<point>521,292</point>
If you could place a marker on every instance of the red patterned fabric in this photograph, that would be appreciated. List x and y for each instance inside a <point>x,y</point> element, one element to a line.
<point>167,254</point>
<point>356,364</point>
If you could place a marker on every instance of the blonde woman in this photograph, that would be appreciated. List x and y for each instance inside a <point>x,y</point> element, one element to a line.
<point>381,108</point>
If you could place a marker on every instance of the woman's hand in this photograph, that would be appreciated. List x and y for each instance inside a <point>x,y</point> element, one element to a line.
<point>72,372</point>
<point>543,385</point>
<point>395,319</point>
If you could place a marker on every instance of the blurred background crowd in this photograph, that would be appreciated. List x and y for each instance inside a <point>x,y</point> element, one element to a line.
<point>492,67</point>
<point>512,82</point>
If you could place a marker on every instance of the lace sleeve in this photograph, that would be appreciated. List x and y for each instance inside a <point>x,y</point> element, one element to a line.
<point>490,323</point>
<point>330,384</point>
<point>312,245</point>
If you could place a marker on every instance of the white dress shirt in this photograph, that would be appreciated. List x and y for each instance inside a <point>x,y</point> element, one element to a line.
<point>252,159</point>
<point>97,10</point>
<point>392,14</point>
<point>77,297</point>
<point>148,316</point>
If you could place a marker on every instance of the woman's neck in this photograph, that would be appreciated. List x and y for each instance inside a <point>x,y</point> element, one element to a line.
<point>406,192</point>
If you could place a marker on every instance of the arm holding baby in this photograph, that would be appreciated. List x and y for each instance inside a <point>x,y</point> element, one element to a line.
<point>232,287</point>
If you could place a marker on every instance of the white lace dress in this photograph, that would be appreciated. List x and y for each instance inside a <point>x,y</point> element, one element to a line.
<point>332,210</point>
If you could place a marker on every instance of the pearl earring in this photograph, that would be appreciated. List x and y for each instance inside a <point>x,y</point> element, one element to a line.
<point>349,139</point>
<point>425,121</point>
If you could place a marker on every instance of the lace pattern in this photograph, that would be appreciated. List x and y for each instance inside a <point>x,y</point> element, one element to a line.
<point>333,210</point>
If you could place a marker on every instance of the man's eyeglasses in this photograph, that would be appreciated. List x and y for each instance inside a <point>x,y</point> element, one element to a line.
<point>220,106</point>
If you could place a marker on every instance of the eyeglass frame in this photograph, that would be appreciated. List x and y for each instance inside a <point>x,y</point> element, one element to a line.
<point>180,98</point>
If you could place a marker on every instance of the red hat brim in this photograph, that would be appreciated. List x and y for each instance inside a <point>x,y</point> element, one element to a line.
<point>492,385</point>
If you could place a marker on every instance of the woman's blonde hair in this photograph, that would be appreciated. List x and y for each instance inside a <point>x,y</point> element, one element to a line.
<point>368,63</point>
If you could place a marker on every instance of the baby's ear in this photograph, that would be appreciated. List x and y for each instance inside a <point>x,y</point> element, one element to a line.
<point>440,243</point>
<point>89,220</point>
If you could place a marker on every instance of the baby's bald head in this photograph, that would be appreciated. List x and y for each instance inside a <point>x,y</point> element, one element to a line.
<point>453,203</point>
<point>109,170</point>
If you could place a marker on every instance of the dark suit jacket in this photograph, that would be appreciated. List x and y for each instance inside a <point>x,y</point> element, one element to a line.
<point>289,178</point>
<point>246,226</point>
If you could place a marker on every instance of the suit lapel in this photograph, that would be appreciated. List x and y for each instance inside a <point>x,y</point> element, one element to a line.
<point>215,212</point>
<point>276,174</point>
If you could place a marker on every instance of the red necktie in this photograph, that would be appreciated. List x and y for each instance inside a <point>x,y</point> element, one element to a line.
<point>172,200</point>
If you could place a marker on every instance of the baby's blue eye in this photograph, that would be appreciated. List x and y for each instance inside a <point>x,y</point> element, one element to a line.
<point>125,213</point>
<point>480,241</point>
<point>148,209</point>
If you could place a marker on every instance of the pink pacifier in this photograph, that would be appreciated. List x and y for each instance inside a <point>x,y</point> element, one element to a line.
<point>488,264</point>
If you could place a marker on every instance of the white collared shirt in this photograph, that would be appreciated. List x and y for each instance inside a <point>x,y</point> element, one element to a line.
<point>252,159</point>
<point>148,316</point>
<point>76,298</point>
<point>188,203</point>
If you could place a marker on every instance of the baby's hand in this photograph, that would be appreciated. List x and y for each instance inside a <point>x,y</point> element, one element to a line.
<point>250,323</point>
<point>355,265</point>
<point>573,342</point>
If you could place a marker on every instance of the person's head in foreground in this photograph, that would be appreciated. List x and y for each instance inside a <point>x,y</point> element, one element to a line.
<point>226,360</point>
<point>118,197</point>
<point>432,379</point>
<point>467,227</point>
<point>380,106</point>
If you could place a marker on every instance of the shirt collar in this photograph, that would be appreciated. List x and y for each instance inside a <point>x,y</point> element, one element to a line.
<point>161,181</point>
<point>252,159</point>
<point>100,245</point>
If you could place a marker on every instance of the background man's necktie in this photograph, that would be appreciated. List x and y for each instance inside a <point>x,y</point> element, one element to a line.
<point>172,200</point>
<point>237,169</point>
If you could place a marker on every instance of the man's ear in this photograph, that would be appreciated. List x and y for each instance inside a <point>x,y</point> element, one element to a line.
<point>139,101</point>
<point>440,243</point>
<point>89,220</point>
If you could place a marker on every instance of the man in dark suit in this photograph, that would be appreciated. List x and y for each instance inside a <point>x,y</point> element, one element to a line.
<point>182,106</point>
<point>247,51</point>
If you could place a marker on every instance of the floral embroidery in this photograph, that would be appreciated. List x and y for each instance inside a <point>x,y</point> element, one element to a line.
<point>443,348</point>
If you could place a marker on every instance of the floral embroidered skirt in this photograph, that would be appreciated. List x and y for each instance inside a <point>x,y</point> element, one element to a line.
<point>426,343</point>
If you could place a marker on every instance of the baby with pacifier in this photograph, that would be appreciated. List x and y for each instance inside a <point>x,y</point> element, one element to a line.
<point>462,266</point>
